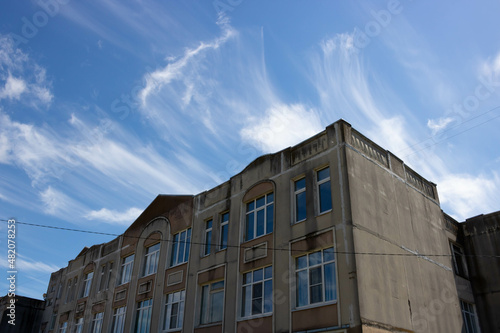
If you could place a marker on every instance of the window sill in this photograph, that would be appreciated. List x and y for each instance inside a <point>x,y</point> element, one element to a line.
<point>218,323</point>
<point>246,241</point>
<point>299,222</point>
<point>220,250</point>
<point>315,305</point>
<point>268,314</point>
<point>178,264</point>
<point>325,212</point>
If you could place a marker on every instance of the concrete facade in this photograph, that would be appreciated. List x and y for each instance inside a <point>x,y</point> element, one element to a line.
<point>335,234</point>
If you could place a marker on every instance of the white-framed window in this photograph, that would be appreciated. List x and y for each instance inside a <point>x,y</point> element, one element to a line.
<point>324,190</point>
<point>79,325</point>
<point>151,259</point>
<point>63,327</point>
<point>180,247</point>
<point>299,200</point>
<point>459,263</point>
<point>68,291</point>
<point>315,278</point>
<point>119,320</point>
<point>212,302</point>
<point>224,228</point>
<point>143,318</point>
<point>469,317</point>
<point>87,283</point>
<point>102,277</point>
<point>259,217</point>
<point>174,310</point>
<point>53,321</point>
<point>208,237</point>
<point>97,322</point>
<point>257,292</point>
<point>126,269</point>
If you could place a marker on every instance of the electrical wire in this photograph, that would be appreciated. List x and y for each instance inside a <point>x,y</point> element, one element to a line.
<point>411,254</point>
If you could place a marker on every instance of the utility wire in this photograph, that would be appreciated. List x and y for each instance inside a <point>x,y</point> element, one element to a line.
<point>250,247</point>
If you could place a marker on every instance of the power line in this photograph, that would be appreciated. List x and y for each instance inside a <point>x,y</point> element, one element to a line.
<point>250,247</point>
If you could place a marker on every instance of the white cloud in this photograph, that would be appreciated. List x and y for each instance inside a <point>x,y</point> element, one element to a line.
<point>469,195</point>
<point>112,216</point>
<point>491,68</point>
<point>439,124</point>
<point>13,88</point>
<point>281,126</point>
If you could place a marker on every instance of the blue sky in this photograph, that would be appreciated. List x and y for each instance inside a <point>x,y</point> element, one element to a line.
<point>104,105</point>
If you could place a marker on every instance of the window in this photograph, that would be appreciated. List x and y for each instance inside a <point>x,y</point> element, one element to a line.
<point>208,237</point>
<point>174,310</point>
<point>87,282</point>
<point>224,225</point>
<point>180,247</point>
<point>151,259</point>
<point>53,321</point>
<point>469,317</point>
<point>74,289</point>
<point>459,265</point>
<point>257,293</point>
<point>59,290</point>
<point>68,291</point>
<point>143,319</point>
<point>324,190</point>
<point>102,277</point>
<point>259,217</point>
<point>315,275</point>
<point>118,320</point>
<point>299,187</point>
<point>79,325</point>
<point>97,322</point>
<point>63,327</point>
<point>212,302</point>
<point>126,269</point>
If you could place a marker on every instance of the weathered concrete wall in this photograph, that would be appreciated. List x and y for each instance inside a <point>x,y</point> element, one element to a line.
<point>398,290</point>
<point>482,242</point>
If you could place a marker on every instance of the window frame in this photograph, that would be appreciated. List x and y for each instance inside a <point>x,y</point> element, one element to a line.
<point>319,183</point>
<point>255,210</point>
<point>207,237</point>
<point>224,231</point>
<point>79,325</point>
<point>139,314</point>
<point>87,284</point>
<point>472,314</point>
<point>118,317</point>
<point>456,269</point>
<point>126,267</point>
<point>155,256</point>
<point>308,286</point>
<point>176,246</point>
<point>97,322</point>
<point>295,195</point>
<point>207,305</point>
<point>167,310</point>
<point>242,313</point>
<point>63,328</point>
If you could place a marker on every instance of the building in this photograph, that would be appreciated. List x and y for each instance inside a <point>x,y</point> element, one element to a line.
<point>26,315</point>
<point>335,234</point>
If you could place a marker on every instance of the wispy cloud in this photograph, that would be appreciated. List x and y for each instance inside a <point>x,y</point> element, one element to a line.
<point>21,76</point>
<point>28,265</point>
<point>346,90</point>
<point>112,216</point>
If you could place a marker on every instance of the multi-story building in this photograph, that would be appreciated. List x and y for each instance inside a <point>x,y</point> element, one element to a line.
<point>334,234</point>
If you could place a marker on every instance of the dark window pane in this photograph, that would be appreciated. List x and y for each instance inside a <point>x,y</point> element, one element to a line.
<point>260,223</point>
<point>300,184</point>
<point>330,285</point>
<point>257,305</point>
<point>316,294</point>
<point>257,275</point>
<point>188,245</point>
<point>315,275</point>
<point>323,174</point>
<point>270,197</point>
<point>325,197</point>
<point>249,229</point>
<point>301,262</point>
<point>268,272</point>
<point>328,254</point>
<point>315,258</point>
<point>250,206</point>
<point>302,288</point>
<point>268,296</point>
<point>261,201</point>
<point>270,219</point>
<point>300,206</point>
